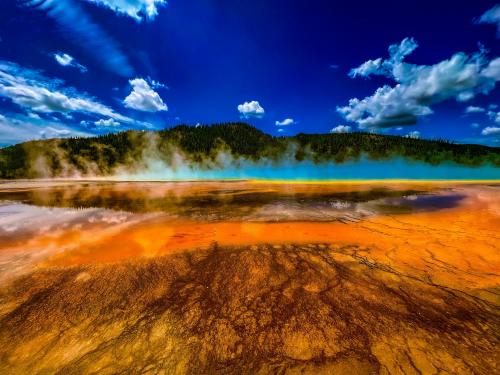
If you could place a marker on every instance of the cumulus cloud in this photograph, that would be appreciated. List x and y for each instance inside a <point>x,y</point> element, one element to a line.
<point>492,16</point>
<point>79,27</point>
<point>474,109</point>
<point>137,9</point>
<point>367,68</point>
<point>397,53</point>
<point>341,129</point>
<point>460,77</point>
<point>66,60</point>
<point>34,115</point>
<point>491,130</point>
<point>285,122</point>
<point>414,134</point>
<point>108,122</point>
<point>495,116</point>
<point>31,90</point>
<point>492,70</point>
<point>490,112</point>
<point>251,109</point>
<point>386,108</point>
<point>143,97</point>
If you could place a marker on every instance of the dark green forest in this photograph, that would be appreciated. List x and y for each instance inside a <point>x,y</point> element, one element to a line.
<point>200,146</point>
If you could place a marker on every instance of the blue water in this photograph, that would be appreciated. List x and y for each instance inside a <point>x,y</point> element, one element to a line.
<point>361,170</point>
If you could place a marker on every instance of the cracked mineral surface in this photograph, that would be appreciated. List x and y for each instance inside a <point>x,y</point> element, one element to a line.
<point>249,278</point>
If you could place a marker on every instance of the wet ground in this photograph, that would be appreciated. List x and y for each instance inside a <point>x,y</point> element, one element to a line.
<point>249,277</point>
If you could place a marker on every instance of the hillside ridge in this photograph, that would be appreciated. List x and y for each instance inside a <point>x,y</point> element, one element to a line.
<point>202,146</point>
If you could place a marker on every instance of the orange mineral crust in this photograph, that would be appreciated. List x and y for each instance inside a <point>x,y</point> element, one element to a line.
<point>246,277</point>
<point>464,238</point>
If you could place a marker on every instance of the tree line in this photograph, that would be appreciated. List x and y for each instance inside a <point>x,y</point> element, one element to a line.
<point>100,155</point>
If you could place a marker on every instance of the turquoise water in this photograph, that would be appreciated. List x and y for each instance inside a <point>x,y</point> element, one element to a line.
<point>361,170</point>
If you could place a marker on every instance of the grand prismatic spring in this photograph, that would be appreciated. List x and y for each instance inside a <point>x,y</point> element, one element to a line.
<point>249,277</point>
<point>255,187</point>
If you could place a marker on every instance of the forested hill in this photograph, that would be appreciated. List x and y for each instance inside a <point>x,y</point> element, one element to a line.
<point>203,146</point>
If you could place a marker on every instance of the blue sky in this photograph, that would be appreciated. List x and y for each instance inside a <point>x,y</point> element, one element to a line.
<point>423,68</point>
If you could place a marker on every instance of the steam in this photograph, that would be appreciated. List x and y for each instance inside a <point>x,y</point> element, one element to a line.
<point>174,164</point>
<point>149,158</point>
<point>55,162</point>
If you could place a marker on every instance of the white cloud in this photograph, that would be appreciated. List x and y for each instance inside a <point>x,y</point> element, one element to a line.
<point>66,60</point>
<point>63,59</point>
<point>397,53</point>
<point>474,125</point>
<point>341,129</point>
<point>157,85</point>
<point>491,113</point>
<point>491,130</point>
<point>251,109</point>
<point>50,132</point>
<point>285,122</point>
<point>492,71</point>
<point>34,115</point>
<point>474,109</point>
<point>418,86</point>
<point>495,116</point>
<point>492,16</point>
<point>137,9</point>
<point>144,98</point>
<point>108,122</point>
<point>386,108</point>
<point>367,68</point>
<point>280,130</point>
<point>19,128</point>
<point>414,134</point>
<point>32,91</point>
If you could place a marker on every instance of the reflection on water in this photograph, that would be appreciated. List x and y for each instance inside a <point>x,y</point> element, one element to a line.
<point>248,277</point>
<point>214,201</point>
<point>102,221</point>
<point>419,203</point>
<point>98,221</point>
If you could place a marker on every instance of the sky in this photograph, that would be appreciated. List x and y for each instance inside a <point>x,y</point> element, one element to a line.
<point>427,69</point>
